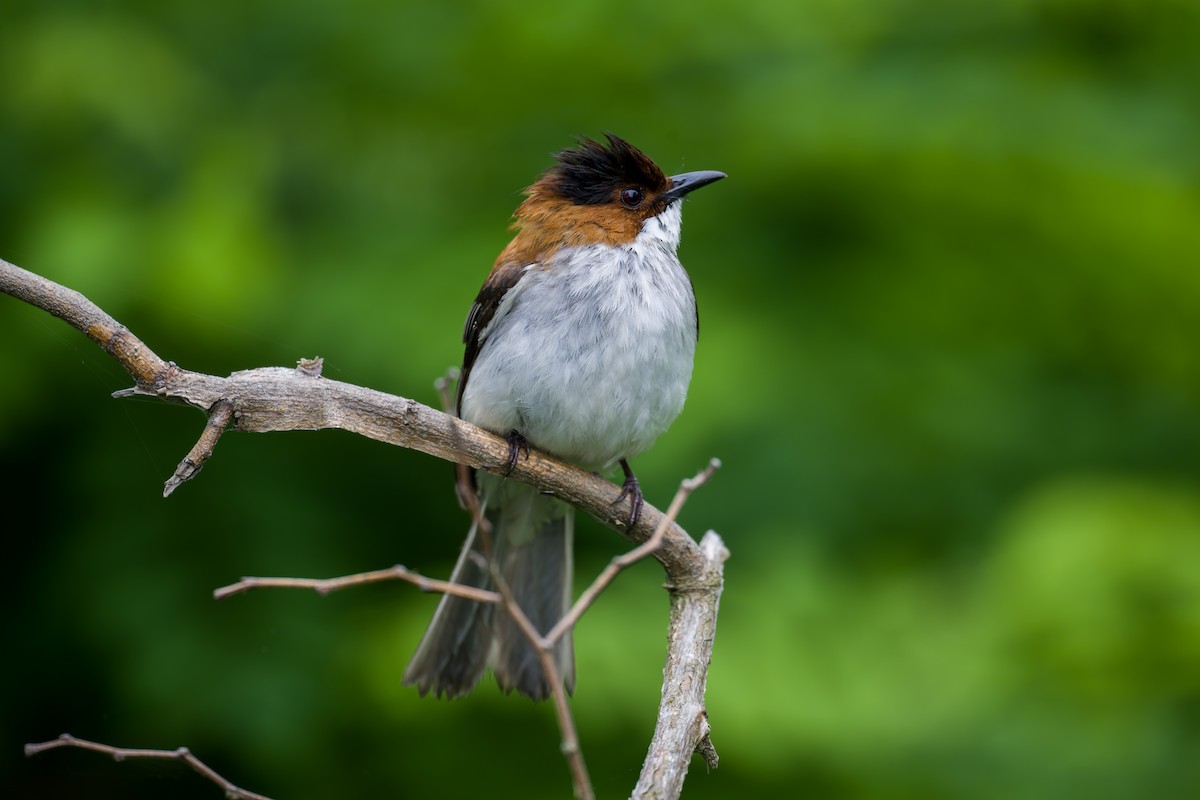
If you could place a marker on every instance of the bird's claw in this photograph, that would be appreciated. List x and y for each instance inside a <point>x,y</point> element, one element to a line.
<point>516,444</point>
<point>633,490</point>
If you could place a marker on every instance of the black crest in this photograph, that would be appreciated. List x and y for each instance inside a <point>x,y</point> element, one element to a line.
<point>589,173</point>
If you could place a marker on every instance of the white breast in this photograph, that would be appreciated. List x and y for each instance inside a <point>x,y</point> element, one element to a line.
<point>590,358</point>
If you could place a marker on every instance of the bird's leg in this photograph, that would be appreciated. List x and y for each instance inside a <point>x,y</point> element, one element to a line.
<point>516,444</point>
<point>633,491</point>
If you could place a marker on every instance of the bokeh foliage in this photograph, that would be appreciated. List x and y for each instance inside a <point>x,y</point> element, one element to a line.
<point>949,303</point>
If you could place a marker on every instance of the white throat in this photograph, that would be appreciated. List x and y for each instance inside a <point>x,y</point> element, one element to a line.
<point>665,227</point>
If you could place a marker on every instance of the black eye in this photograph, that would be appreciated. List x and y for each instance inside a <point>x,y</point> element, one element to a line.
<point>631,198</point>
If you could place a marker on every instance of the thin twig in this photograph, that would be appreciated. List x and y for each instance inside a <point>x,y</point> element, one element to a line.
<point>327,585</point>
<point>464,476</point>
<point>609,574</point>
<point>121,753</point>
<point>562,709</point>
<point>443,384</point>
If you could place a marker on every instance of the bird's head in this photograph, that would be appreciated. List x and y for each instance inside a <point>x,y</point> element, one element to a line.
<point>599,193</point>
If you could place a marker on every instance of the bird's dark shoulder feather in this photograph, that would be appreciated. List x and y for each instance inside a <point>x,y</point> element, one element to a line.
<point>502,278</point>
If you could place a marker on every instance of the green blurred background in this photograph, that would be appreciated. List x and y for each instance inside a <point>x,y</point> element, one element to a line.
<point>949,296</point>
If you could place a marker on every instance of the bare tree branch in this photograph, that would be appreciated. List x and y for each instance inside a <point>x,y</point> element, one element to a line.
<point>279,399</point>
<point>682,727</point>
<point>231,790</point>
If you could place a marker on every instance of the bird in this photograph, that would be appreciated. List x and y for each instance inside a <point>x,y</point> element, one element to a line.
<point>581,344</point>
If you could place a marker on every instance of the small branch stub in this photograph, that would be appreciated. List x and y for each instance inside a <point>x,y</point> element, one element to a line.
<point>310,367</point>
<point>218,420</point>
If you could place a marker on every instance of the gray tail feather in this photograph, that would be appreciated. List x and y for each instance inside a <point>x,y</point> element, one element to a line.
<point>466,636</point>
<point>539,573</point>
<point>453,653</point>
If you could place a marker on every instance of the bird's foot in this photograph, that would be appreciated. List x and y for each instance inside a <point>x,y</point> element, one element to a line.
<point>631,489</point>
<point>516,444</point>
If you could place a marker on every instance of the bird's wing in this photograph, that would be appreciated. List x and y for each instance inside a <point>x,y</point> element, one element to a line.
<point>504,276</point>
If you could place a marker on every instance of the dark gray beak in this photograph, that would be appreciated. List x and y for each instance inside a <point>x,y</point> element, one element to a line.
<point>689,182</point>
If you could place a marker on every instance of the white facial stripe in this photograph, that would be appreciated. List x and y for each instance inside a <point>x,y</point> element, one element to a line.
<point>665,226</point>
